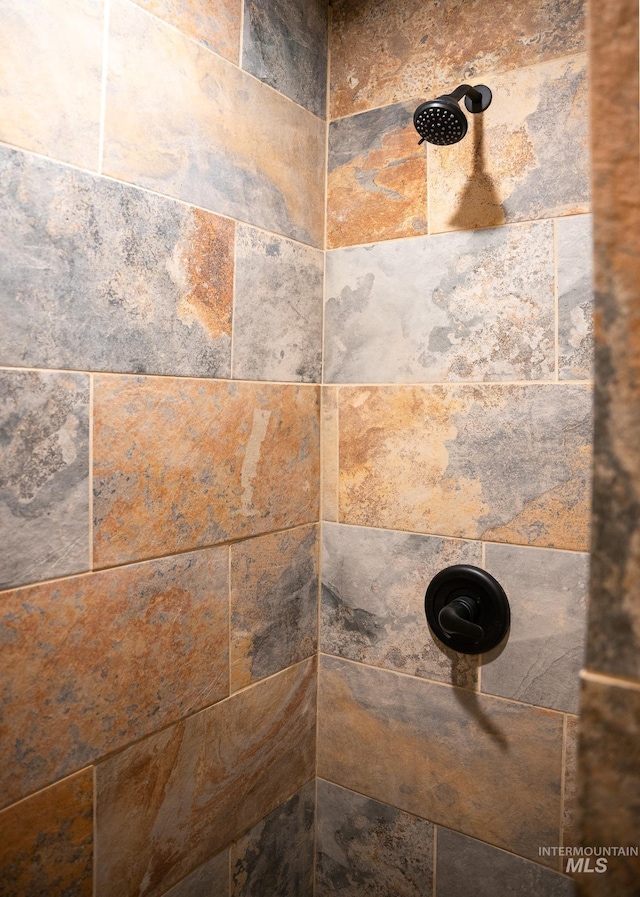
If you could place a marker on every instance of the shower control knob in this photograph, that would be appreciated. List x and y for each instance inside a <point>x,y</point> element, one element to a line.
<point>456,618</point>
<point>467,609</point>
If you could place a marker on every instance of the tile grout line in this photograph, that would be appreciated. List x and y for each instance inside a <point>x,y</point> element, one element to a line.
<point>563,765</point>
<point>233,299</point>
<point>439,683</point>
<point>190,714</point>
<point>94,870</point>
<point>609,681</point>
<point>556,333</point>
<point>435,859</point>
<point>524,222</point>
<point>477,77</point>
<point>91,485</point>
<point>421,384</point>
<point>103,86</point>
<point>229,616</point>
<point>200,45</point>
<point>470,539</point>
<point>52,160</point>
<point>449,828</point>
<point>151,560</point>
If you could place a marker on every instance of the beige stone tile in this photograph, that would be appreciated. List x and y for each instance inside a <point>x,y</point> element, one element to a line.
<point>50,77</point>
<point>46,841</point>
<point>182,121</point>
<point>503,463</point>
<point>377,180</point>
<point>385,52</point>
<point>215,23</point>
<point>526,157</point>
<point>181,463</point>
<point>169,802</point>
<point>92,663</point>
<point>274,603</point>
<point>330,458</point>
<point>447,754</point>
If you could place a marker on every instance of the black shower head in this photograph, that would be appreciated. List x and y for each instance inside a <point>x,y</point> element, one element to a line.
<point>442,121</point>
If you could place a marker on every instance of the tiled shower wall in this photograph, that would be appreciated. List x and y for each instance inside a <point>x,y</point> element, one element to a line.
<point>162,202</point>
<point>456,429</point>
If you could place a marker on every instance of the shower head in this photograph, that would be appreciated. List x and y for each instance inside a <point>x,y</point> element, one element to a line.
<point>442,121</point>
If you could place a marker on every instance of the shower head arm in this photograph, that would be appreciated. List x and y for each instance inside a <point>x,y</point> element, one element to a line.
<point>479,97</point>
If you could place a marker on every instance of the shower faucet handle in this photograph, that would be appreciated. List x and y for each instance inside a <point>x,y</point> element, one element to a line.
<point>457,618</point>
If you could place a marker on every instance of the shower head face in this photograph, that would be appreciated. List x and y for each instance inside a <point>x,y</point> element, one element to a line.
<point>440,121</point>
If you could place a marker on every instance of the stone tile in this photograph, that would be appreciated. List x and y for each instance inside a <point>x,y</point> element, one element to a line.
<point>46,841</point>
<point>215,23</point>
<point>169,802</point>
<point>274,603</point>
<point>548,593</point>
<point>446,754</point>
<point>97,275</point>
<point>285,45</point>
<point>570,834</point>
<point>526,157</point>
<point>373,587</point>
<point>277,323</point>
<point>366,847</point>
<point>44,478</point>
<point>105,659</point>
<point>277,855</point>
<point>477,305</point>
<point>330,460</point>
<point>377,180</point>
<point>610,781</point>
<point>614,609</point>
<point>503,463</point>
<point>50,77</point>
<point>209,880</point>
<point>180,464</point>
<point>384,53</point>
<point>474,869</point>
<point>182,121</point>
<point>575,297</point>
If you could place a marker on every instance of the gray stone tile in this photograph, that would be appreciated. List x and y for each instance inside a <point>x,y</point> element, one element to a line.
<point>209,880</point>
<point>373,587</point>
<point>277,856</point>
<point>575,297</point>
<point>95,275</point>
<point>469,867</point>
<point>44,476</point>
<point>277,327</point>
<point>369,848</point>
<point>466,306</point>
<point>541,661</point>
<point>274,603</point>
<point>285,45</point>
<point>446,754</point>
